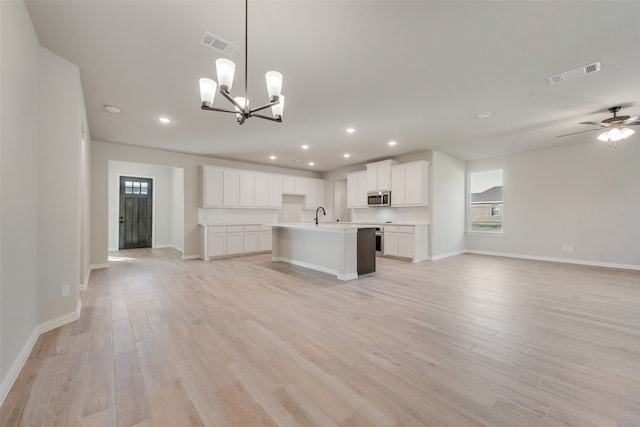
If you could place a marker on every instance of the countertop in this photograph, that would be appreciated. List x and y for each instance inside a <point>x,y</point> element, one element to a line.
<point>382,223</point>
<point>323,226</point>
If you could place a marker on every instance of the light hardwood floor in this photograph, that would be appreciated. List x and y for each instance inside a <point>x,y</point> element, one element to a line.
<point>466,341</point>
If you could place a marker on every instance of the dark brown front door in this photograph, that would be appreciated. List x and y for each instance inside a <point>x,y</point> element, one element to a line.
<point>135,212</point>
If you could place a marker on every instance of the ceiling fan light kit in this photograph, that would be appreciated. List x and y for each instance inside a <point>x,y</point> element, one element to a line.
<point>616,127</point>
<point>225,69</point>
<point>612,136</point>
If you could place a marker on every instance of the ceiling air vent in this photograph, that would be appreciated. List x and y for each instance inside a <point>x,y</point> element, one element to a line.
<point>575,73</point>
<point>218,43</point>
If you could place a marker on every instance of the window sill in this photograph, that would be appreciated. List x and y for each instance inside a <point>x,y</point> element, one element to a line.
<point>486,233</point>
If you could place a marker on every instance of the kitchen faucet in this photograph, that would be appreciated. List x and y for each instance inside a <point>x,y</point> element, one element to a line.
<point>323,212</point>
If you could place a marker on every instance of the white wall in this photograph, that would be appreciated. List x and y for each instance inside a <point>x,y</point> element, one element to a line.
<point>61,114</point>
<point>586,195</point>
<point>164,204</point>
<point>44,200</point>
<point>103,152</point>
<point>448,177</point>
<point>177,208</point>
<point>20,52</point>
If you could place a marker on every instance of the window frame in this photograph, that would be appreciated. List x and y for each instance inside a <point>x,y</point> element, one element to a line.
<point>501,208</point>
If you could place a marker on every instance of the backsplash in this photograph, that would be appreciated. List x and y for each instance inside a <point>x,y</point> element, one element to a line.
<point>291,211</point>
<point>236,216</point>
<point>404,214</point>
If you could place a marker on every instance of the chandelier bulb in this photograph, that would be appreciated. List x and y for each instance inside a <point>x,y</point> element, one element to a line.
<point>226,69</point>
<point>274,84</point>
<point>207,92</point>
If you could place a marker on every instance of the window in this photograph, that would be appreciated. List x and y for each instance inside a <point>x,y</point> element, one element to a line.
<point>486,204</point>
<point>136,187</point>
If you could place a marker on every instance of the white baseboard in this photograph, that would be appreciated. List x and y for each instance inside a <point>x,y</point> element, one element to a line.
<point>163,246</point>
<point>561,260</point>
<point>197,256</point>
<point>446,255</point>
<point>87,275</point>
<point>99,266</point>
<point>18,364</point>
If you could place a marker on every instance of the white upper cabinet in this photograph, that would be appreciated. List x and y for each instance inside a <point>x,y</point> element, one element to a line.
<point>293,185</point>
<point>397,185</point>
<point>275,191</point>
<point>261,191</point>
<point>220,187</point>
<point>357,190</point>
<point>212,189</point>
<point>410,184</point>
<point>247,189</point>
<point>379,175</point>
<point>232,188</point>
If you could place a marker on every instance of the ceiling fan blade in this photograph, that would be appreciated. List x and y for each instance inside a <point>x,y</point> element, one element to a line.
<point>575,133</point>
<point>632,123</point>
<point>631,120</point>
<point>590,123</point>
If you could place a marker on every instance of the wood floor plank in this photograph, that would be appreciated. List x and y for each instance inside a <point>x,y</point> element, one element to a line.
<point>467,341</point>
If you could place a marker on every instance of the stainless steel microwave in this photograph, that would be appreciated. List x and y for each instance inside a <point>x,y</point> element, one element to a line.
<point>379,198</point>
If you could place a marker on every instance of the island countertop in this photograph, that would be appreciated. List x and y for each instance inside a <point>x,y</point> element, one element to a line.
<point>323,226</point>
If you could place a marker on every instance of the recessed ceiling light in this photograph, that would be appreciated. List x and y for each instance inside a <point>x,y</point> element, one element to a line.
<point>347,155</point>
<point>272,157</point>
<point>392,143</point>
<point>111,109</point>
<point>164,120</point>
<point>484,115</point>
<point>305,147</point>
<point>351,130</point>
<point>311,163</point>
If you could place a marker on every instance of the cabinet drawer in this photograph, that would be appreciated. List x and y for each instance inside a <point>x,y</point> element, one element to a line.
<point>265,228</point>
<point>405,229</point>
<point>251,227</point>
<point>391,228</point>
<point>234,228</point>
<point>217,229</point>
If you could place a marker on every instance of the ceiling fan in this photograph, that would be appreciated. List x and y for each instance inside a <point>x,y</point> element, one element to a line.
<point>615,128</point>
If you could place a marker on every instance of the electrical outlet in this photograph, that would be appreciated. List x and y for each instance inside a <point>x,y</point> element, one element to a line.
<point>65,291</point>
<point>565,248</point>
<point>570,248</point>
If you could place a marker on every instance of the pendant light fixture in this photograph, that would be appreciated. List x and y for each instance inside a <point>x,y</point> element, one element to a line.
<point>225,71</point>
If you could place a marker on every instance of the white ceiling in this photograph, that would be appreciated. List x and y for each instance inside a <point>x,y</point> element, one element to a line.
<point>417,72</point>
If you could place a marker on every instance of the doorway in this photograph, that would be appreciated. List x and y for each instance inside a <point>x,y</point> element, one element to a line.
<point>136,207</point>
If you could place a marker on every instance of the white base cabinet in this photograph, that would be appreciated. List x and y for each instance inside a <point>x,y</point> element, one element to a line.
<point>233,240</point>
<point>265,239</point>
<point>407,241</point>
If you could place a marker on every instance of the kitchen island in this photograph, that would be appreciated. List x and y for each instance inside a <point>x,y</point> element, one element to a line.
<point>345,250</point>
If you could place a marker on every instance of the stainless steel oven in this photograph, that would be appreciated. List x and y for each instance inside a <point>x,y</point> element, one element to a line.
<point>379,241</point>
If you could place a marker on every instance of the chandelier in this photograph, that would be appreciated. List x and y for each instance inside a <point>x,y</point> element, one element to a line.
<point>225,70</point>
<point>615,134</point>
